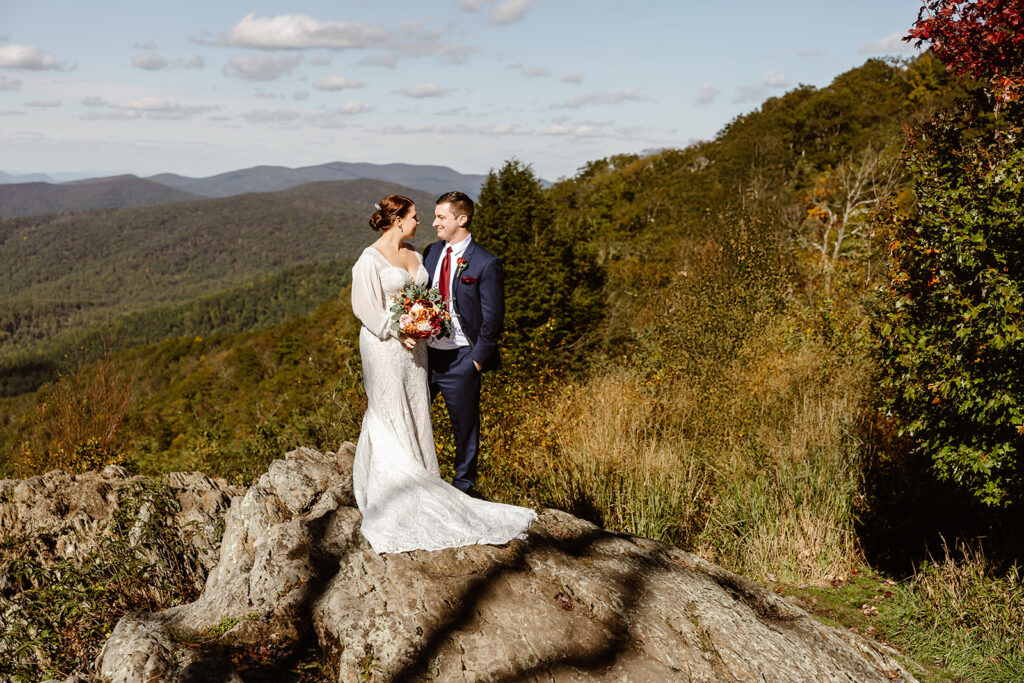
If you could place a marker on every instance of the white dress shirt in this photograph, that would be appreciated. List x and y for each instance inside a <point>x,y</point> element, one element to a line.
<point>457,337</point>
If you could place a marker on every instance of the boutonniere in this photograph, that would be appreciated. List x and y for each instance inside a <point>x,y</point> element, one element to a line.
<point>461,264</point>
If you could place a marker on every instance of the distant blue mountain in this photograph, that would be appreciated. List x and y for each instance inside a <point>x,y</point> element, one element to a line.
<point>431,179</point>
<point>115,192</point>
<point>8,179</point>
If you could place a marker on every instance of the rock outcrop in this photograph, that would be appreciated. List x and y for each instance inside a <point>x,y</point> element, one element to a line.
<point>570,603</point>
<point>62,516</point>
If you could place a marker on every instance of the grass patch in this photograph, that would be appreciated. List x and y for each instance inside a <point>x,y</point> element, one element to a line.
<point>954,620</point>
<point>960,616</point>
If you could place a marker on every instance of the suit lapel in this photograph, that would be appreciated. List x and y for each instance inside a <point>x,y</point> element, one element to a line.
<point>467,255</point>
<point>430,262</point>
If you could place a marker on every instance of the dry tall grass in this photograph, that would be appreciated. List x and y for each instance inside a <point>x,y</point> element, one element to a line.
<point>622,456</point>
<point>755,465</point>
<point>784,495</point>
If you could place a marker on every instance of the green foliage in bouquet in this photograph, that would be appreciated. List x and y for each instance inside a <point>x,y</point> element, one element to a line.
<point>949,321</point>
<point>431,312</point>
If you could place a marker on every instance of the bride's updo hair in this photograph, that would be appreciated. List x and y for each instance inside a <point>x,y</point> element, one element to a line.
<point>389,210</point>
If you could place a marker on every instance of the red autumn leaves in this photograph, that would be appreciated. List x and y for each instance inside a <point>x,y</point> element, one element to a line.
<point>983,39</point>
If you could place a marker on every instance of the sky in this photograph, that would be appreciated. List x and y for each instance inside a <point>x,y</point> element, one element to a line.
<point>203,87</point>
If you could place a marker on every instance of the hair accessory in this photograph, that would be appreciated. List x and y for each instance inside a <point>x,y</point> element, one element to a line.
<point>376,206</point>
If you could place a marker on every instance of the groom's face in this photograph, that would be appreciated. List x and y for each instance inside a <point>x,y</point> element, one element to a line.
<point>447,224</point>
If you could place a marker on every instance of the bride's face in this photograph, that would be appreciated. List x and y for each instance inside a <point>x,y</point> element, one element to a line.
<point>408,224</point>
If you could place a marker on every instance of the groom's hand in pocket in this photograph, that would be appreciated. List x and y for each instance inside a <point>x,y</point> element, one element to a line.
<point>479,368</point>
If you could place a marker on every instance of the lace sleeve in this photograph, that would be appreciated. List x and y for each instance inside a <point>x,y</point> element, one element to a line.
<point>368,298</point>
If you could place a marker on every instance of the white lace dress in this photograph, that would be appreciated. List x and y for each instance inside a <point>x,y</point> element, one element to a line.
<point>398,486</point>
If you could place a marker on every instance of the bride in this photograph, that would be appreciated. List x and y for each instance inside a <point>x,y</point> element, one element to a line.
<point>398,486</point>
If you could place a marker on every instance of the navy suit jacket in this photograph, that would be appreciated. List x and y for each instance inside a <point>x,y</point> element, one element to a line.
<point>478,297</point>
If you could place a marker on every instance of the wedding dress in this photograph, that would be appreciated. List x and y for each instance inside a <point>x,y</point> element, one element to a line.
<point>398,486</point>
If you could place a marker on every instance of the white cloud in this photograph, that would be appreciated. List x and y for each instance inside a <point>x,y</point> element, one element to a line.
<point>337,83</point>
<point>421,91</point>
<point>448,52</point>
<point>9,83</point>
<point>707,94</point>
<point>454,111</point>
<point>43,104</point>
<point>301,31</point>
<point>115,115</point>
<point>426,128</point>
<point>336,118</point>
<point>149,61</point>
<point>891,44</point>
<point>93,101</point>
<point>322,61</point>
<point>353,108</point>
<point>259,67</point>
<point>504,12</point>
<point>572,78</point>
<point>535,72</point>
<point>29,57</point>
<point>149,45</point>
<point>598,98</point>
<point>451,129</point>
<point>264,95</point>
<point>11,112</point>
<point>810,53</point>
<point>271,116</point>
<point>758,91</point>
<point>387,61</point>
<point>509,11</point>
<point>160,108</point>
<point>503,129</point>
<point>579,131</point>
<point>301,95</point>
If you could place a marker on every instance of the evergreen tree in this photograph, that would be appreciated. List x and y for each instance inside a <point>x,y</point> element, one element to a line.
<point>552,282</point>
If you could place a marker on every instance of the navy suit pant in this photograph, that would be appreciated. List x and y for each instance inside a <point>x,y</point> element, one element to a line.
<point>453,374</point>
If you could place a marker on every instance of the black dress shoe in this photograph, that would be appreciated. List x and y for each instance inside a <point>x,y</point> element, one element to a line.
<point>473,493</point>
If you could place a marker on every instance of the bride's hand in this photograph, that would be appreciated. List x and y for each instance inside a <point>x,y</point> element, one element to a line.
<point>407,341</point>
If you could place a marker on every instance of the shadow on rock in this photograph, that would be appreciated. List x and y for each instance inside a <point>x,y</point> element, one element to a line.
<point>570,602</point>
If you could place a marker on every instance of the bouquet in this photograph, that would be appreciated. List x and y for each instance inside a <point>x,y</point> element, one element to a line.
<point>420,313</point>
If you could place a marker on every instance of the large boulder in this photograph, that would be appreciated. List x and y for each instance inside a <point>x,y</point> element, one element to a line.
<point>62,516</point>
<point>59,520</point>
<point>570,602</point>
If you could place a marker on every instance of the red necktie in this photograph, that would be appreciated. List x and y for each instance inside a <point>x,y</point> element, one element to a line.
<point>444,286</point>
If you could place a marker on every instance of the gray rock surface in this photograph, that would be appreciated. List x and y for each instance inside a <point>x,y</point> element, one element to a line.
<point>570,603</point>
<point>62,515</point>
<point>59,517</point>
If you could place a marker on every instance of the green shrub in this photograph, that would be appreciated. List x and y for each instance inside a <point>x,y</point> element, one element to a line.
<point>949,322</point>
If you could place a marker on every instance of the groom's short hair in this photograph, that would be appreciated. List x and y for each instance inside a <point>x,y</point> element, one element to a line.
<point>460,202</point>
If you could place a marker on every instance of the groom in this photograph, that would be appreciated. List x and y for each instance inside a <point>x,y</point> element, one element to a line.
<point>470,278</point>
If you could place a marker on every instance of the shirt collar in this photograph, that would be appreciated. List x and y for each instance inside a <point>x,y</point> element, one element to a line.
<point>459,248</point>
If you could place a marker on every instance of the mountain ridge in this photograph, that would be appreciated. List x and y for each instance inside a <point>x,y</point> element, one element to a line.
<point>123,191</point>
<point>268,178</point>
<point>39,194</point>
